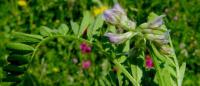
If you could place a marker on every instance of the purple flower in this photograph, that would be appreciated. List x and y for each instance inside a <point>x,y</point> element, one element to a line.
<point>114,15</point>
<point>149,62</point>
<point>85,48</point>
<point>117,16</point>
<point>118,38</point>
<point>157,22</point>
<point>86,64</point>
<point>109,17</point>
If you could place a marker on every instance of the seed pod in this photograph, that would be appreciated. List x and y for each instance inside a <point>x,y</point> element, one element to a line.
<point>14,69</point>
<point>18,59</point>
<point>27,38</point>
<point>11,79</point>
<point>19,48</point>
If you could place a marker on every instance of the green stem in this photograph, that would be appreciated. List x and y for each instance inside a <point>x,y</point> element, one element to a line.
<point>155,61</point>
<point>126,73</point>
<point>176,63</point>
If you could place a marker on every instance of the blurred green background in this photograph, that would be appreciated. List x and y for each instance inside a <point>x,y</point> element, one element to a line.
<point>182,18</point>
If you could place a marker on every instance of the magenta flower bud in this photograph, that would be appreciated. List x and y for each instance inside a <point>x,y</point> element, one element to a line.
<point>119,38</point>
<point>85,48</point>
<point>149,62</point>
<point>86,64</point>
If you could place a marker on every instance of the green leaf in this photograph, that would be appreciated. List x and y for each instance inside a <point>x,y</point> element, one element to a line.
<point>45,31</point>
<point>167,78</point>
<point>136,73</point>
<point>95,26</point>
<point>30,80</point>
<point>158,77</point>
<point>126,73</point>
<point>172,71</point>
<point>127,46</point>
<point>182,72</point>
<point>63,29</point>
<point>120,78</point>
<point>26,38</point>
<point>101,82</point>
<point>158,55</point>
<point>75,27</point>
<point>85,22</point>
<point>98,23</point>
<point>107,82</point>
<point>96,83</point>
<point>152,16</point>
<point>112,29</point>
<point>122,59</point>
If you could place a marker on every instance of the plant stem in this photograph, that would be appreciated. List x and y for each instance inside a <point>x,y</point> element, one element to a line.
<point>126,73</point>
<point>176,63</point>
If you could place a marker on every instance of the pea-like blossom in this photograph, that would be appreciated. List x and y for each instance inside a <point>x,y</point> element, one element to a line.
<point>85,48</point>
<point>149,62</point>
<point>86,64</point>
<point>119,38</point>
<point>117,16</point>
<point>114,15</point>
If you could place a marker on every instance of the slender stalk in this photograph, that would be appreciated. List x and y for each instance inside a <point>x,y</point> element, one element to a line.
<point>126,73</point>
<point>176,63</point>
<point>156,64</point>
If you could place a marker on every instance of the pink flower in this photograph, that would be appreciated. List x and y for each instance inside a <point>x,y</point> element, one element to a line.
<point>86,64</point>
<point>149,62</point>
<point>85,48</point>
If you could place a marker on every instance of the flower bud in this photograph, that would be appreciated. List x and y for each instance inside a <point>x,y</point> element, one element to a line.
<point>152,31</point>
<point>127,24</point>
<point>157,22</point>
<point>110,17</point>
<point>155,37</point>
<point>119,38</point>
<point>85,48</point>
<point>86,64</point>
<point>149,62</point>
<point>166,49</point>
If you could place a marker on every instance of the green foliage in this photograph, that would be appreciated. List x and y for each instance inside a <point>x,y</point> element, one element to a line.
<point>39,42</point>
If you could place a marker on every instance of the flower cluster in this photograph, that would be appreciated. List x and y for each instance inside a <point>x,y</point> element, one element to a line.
<point>155,31</point>
<point>117,16</point>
